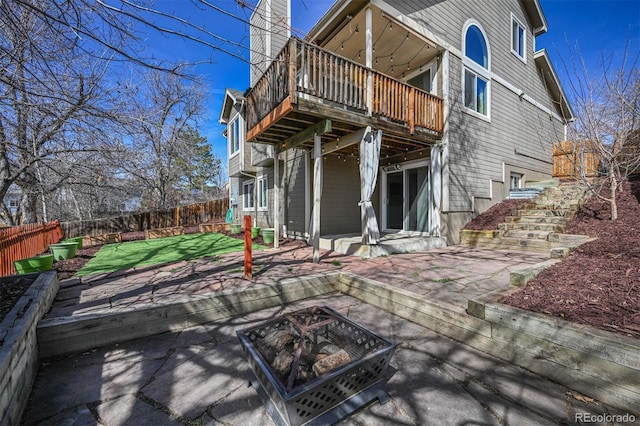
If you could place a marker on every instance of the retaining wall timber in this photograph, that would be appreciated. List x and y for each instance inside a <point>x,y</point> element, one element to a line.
<point>67,335</point>
<point>602,365</point>
<point>19,346</point>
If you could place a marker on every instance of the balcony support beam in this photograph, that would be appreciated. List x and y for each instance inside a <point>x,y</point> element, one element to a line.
<point>345,141</point>
<point>318,129</point>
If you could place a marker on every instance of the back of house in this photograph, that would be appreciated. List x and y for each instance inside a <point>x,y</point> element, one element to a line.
<point>464,106</point>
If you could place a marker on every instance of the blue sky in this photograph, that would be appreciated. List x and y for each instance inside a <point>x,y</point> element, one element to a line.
<point>596,26</point>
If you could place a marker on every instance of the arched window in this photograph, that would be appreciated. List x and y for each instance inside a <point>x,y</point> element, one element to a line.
<point>476,65</point>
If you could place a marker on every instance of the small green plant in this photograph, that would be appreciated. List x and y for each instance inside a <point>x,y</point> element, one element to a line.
<point>290,269</point>
<point>336,263</point>
<point>445,280</point>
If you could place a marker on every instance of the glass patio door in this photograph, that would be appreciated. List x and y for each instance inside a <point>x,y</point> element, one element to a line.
<point>406,199</point>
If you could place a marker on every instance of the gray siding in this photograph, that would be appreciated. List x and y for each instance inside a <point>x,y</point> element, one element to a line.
<point>261,154</point>
<point>280,28</point>
<point>258,40</point>
<point>340,212</point>
<point>295,200</point>
<point>267,38</point>
<point>481,151</point>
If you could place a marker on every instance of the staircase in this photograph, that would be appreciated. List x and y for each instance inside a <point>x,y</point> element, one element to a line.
<point>538,227</point>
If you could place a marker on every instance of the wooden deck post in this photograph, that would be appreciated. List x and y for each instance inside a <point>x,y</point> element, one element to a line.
<point>248,266</point>
<point>317,195</point>
<point>276,198</point>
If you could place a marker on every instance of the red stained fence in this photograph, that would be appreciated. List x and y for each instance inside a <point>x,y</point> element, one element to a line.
<point>21,242</point>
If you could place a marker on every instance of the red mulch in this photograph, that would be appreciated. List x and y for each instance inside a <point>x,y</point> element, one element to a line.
<point>495,215</point>
<point>598,284</point>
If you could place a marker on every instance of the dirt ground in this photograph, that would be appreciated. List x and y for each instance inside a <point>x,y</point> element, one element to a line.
<point>599,282</point>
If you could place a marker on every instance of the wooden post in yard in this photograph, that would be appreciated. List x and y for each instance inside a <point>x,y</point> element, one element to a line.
<point>248,275</point>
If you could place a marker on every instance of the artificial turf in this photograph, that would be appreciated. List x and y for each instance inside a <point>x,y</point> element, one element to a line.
<point>134,254</point>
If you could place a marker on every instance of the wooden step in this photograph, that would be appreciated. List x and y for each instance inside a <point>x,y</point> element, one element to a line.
<point>556,220</point>
<point>537,227</point>
<point>528,235</point>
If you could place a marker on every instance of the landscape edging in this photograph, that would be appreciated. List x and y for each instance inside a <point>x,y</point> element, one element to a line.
<point>19,355</point>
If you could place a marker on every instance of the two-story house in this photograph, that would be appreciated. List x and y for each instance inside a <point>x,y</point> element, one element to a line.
<point>402,116</point>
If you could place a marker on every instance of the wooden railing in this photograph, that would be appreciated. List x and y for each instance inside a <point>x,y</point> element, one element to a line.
<point>306,71</point>
<point>21,242</point>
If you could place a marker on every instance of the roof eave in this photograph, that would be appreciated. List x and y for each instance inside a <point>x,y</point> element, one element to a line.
<point>543,62</point>
<point>536,16</point>
<point>230,99</point>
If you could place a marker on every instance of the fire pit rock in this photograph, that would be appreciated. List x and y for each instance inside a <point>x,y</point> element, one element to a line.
<point>315,366</point>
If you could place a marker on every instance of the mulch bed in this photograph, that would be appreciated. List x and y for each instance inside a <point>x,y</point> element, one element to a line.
<point>11,291</point>
<point>598,284</point>
<point>495,215</point>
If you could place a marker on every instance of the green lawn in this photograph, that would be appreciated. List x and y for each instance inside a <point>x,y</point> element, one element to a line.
<point>114,257</point>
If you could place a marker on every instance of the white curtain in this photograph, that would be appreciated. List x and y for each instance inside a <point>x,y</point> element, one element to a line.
<point>369,159</point>
<point>436,185</point>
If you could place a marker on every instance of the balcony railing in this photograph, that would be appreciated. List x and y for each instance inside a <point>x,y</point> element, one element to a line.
<point>306,71</point>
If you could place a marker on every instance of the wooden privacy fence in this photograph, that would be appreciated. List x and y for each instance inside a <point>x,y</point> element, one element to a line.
<point>193,214</point>
<point>21,242</point>
<point>575,159</point>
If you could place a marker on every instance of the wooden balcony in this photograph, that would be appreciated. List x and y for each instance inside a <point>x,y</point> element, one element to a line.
<point>306,84</point>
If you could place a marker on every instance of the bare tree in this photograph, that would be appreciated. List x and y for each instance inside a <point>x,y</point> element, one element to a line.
<point>162,113</point>
<point>55,98</point>
<point>607,105</point>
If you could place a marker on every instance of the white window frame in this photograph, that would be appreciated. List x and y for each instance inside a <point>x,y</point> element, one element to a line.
<point>248,195</point>
<point>431,65</point>
<point>517,177</point>
<point>234,136</point>
<point>516,25</point>
<point>477,70</point>
<point>263,200</point>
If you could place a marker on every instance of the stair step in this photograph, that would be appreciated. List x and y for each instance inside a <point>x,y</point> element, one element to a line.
<point>556,220</point>
<point>537,227</point>
<point>543,212</point>
<point>528,235</point>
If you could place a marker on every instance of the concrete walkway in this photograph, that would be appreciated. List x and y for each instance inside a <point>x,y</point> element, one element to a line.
<point>197,376</point>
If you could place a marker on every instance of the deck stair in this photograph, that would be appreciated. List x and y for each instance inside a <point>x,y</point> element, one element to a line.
<point>540,226</point>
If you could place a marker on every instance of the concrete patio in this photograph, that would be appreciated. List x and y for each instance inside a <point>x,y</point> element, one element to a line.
<point>196,374</point>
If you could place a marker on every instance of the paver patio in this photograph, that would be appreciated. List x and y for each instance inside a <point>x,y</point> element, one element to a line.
<point>197,375</point>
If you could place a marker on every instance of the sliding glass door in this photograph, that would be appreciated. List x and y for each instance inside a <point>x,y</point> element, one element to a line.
<point>406,198</point>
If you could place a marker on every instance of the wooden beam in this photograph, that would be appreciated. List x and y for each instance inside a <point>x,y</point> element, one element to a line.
<point>345,141</point>
<point>317,129</point>
<point>278,112</point>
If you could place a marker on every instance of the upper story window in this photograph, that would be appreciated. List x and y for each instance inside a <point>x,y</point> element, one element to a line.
<point>475,46</point>
<point>233,136</point>
<point>476,76</point>
<point>518,39</point>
